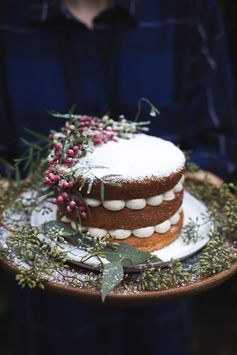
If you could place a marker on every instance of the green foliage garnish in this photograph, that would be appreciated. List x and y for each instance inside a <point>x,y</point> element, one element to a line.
<point>112,276</point>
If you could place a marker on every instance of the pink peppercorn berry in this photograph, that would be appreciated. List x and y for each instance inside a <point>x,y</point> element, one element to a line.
<point>68,162</point>
<point>70,153</point>
<point>65,185</point>
<point>75,148</point>
<point>72,204</point>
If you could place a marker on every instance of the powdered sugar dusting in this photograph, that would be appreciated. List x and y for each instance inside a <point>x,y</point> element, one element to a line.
<point>136,158</point>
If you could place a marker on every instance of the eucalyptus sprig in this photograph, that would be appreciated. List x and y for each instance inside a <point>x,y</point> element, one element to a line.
<point>215,258</point>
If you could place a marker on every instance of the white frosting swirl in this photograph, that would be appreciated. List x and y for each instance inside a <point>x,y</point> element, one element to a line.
<point>163,227</point>
<point>155,200</point>
<point>182,179</point>
<point>92,202</point>
<point>136,204</point>
<point>120,233</point>
<point>97,232</point>
<point>143,232</point>
<point>65,219</point>
<point>73,225</point>
<point>175,218</point>
<point>178,187</point>
<point>114,205</point>
<point>169,195</point>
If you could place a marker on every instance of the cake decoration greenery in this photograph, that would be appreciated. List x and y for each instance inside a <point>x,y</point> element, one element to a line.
<point>38,261</point>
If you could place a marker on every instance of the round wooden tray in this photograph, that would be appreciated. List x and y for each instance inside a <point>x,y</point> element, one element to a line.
<point>145,298</point>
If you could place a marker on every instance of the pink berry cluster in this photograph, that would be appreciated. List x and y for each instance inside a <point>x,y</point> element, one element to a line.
<point>66,151</point>
<point>71,204</point>
<point>100,131</point>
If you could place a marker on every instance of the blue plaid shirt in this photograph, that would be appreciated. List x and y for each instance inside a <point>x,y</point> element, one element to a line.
<point>171,52</point>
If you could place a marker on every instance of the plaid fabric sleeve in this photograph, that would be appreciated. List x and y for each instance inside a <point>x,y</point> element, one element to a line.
<point>211,128</point>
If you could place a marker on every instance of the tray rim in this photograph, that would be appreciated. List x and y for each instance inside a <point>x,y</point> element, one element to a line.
<point>140,298</point>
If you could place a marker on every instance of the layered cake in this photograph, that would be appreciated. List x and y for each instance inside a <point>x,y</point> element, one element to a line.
<point>130,190</point>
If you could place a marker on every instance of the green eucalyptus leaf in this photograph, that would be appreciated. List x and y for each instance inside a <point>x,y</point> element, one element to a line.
<point>60,227</point>
<point>130,256</point>
<point>112,276</point>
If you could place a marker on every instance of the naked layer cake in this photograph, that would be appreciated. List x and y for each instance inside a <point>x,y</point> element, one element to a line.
<point>128,189</point>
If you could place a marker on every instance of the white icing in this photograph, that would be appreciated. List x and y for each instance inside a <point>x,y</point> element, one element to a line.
<point>120,233</point>
<point>143,232</point>
<point>175,218</point>
<point>169,195</point>
<point>182,179</point>
<point>97,232</point>
<point>114,205</point>
<point>139,232</point>
<point>136,158</point>
<point>74,226</point>
<point>91,202</point>
<point>155,200</point>
<point>136,204</point>
<point>178,187</point>
<point>163,227</point>
<point>65,219</point>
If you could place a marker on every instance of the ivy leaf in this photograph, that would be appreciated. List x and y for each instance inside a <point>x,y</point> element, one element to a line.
<point>60,227</point>
<point>112,276</point>
<point>130,256</point>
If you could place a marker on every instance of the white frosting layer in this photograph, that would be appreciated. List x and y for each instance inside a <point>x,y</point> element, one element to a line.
<point>97,232</point>
<point>136,158</point>
<point>169,195</point>
<point>163,227</point>
<point>155,200</point>
<point>143,232</point>
<point>138,203</point>
<point>175,218</point>
<point>120,233</point>
<point>139,232</point>
<point>114,205</point>
<point>91,202</point>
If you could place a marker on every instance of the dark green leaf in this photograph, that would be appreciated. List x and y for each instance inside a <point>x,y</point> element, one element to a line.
<point>130,256</point>
<point>78,217</point>
<point>17,173</point>
<point>63,151</point>
<point>29,159</point>
<point>45,192</point>
<point>112,276</point>
<point>102,191</point>
<point>30,144</point>
<point>114,184</point>
<point>79,195</point>
<point>60,227</point>
<point>37,135</point>
<point>71,111</point>
<point>7,164</point>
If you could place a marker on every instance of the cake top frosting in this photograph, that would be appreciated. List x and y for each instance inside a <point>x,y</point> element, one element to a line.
<point>136,158</point>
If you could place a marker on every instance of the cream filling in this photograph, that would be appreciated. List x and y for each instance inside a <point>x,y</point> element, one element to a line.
<point>145,232</point>
<point>138,203</point>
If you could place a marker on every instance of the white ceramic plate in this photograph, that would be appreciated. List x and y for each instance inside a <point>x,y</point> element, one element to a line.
<point>178,250</point>
<point>195,210</point>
